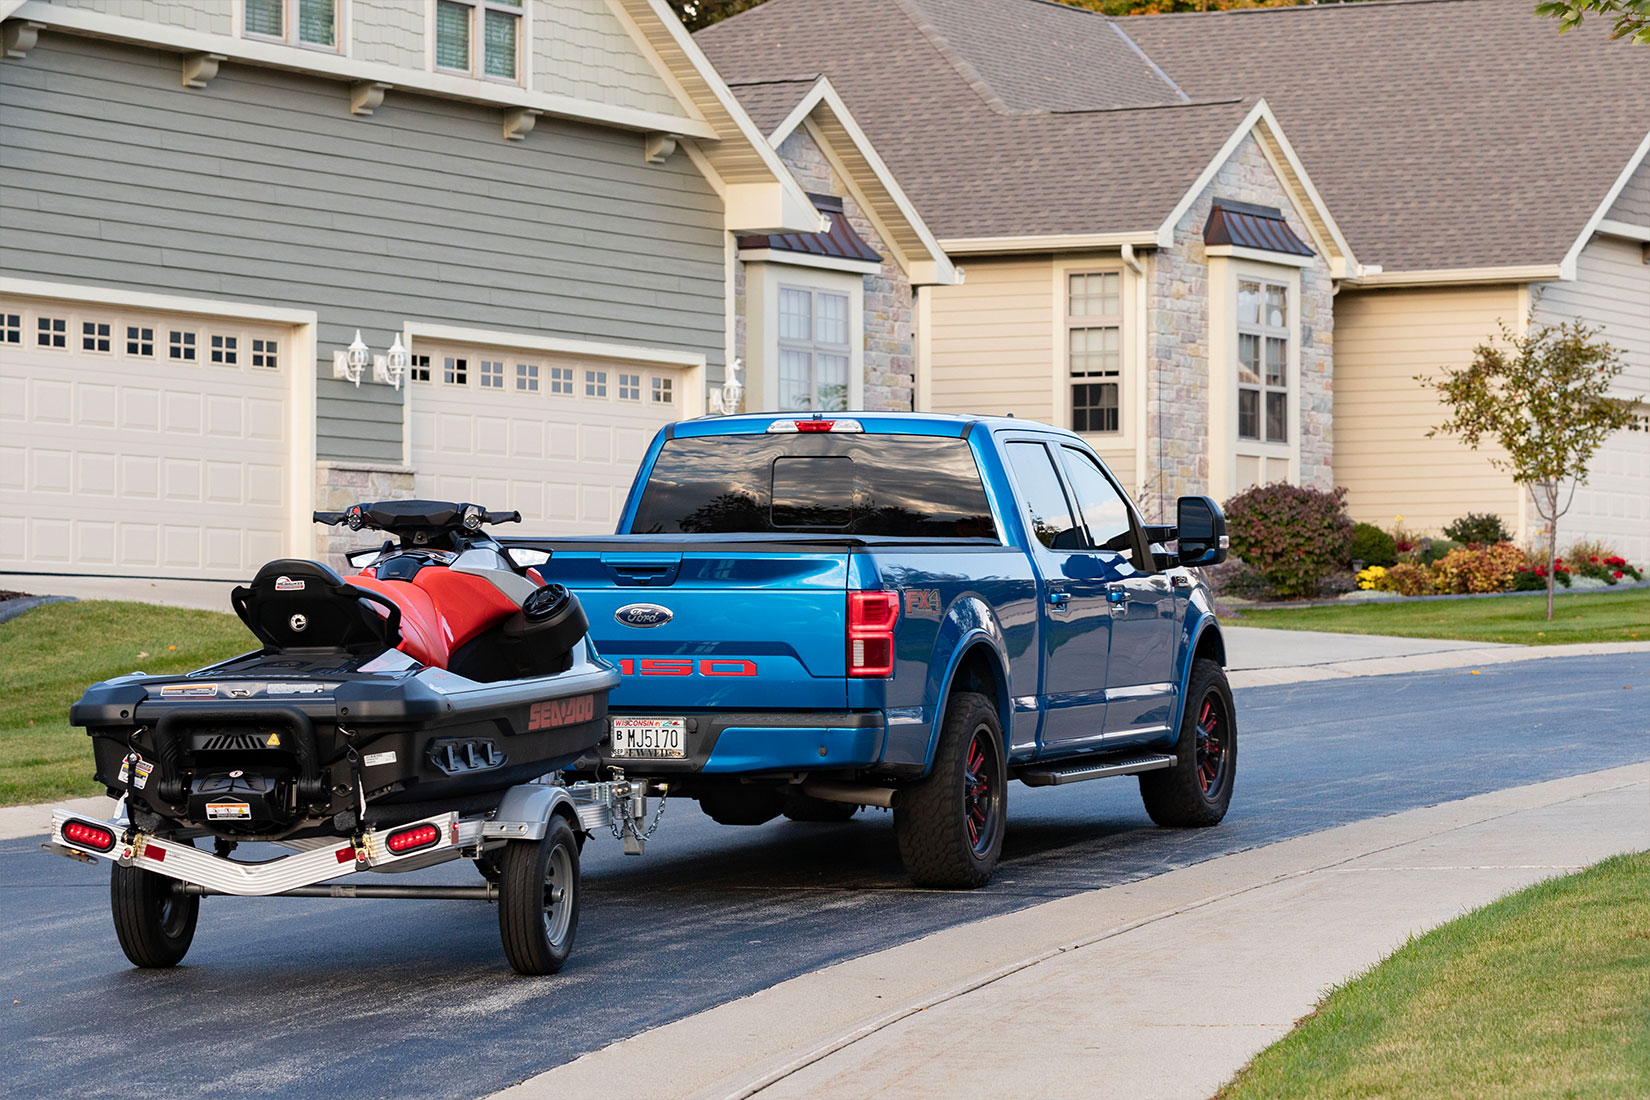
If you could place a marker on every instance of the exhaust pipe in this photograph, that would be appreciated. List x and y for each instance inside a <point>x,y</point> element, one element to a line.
<point>853,793</point>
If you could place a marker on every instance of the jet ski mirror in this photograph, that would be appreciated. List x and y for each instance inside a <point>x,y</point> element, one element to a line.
<point>523,558</point>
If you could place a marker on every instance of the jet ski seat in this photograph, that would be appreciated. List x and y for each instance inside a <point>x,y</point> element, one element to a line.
<point>297,604</point>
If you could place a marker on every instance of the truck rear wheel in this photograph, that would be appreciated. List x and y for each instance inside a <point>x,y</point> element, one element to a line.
<point>154,919</point>
<point>538,899</point>
<point>950,826</point>
<point>1197,790</point>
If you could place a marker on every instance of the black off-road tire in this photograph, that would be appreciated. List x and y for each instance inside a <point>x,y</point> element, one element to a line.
<point>538,899</point>
<point>800,807</point>
<point>1197,790</point>
<point>742,805</point>
<point>950,826</point>
<point>154,921</point>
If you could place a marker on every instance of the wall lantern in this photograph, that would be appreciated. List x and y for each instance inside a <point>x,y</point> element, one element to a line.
<point>726,399</point>
<point>391,367</point>
<point>351,363</point>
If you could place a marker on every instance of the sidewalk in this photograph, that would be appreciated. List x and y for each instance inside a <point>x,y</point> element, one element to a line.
<point>1162,988</point>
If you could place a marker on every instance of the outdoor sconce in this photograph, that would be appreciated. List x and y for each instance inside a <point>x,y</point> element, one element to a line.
<point>726,400</point>
<point>351,364</point>
<point>391,367</point>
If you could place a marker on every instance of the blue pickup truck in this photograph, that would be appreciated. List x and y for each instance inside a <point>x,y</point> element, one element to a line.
<point>817,614</point>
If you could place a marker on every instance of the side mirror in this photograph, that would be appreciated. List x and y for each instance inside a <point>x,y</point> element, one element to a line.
<point>1202,532</point>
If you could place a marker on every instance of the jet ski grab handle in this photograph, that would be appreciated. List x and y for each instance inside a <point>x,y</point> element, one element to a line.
<point>404,517</point>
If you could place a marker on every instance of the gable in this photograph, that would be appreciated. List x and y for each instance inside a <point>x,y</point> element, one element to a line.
<point>581,48</point>
<point>1633,204</point>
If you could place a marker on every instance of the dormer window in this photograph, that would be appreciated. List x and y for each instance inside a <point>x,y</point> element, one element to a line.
<point>312,23</point>
<point>480,38</point>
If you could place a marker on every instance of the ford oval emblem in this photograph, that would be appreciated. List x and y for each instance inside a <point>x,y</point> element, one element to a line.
<point>643,614</point>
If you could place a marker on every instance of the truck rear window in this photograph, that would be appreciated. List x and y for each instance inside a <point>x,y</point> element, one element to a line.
<point>899,485</point>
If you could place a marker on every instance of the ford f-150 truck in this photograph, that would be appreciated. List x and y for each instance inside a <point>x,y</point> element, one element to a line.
<point>902,610</point>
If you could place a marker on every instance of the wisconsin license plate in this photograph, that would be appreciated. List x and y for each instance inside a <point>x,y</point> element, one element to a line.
<point>656,738</point>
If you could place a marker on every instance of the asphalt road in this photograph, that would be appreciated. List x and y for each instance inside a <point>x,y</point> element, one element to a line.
<point>302,998</point>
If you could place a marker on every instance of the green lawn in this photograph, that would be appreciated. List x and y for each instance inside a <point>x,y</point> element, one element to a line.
<point>1545,993</point>
<point>50,655</point>
<point>1577,617</point>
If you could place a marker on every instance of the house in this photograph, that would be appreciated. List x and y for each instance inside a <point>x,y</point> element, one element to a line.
<point>526,211</point>
<point>823,320</point>
<point>1430,161</point>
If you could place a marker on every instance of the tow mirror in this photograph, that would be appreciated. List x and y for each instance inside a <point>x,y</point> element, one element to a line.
<point>1201,528</point>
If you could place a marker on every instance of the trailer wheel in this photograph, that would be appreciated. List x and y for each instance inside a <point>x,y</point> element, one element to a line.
<point>950,826</point>
<point>154,919</point>
<point>538,899</point>
<point>1196,791</point>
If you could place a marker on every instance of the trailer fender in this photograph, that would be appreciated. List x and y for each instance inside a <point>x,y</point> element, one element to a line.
<point>526,810</point>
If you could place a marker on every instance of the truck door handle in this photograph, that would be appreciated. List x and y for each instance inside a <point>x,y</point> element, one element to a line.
<point>1116,594</point>
<point>1059,601</point>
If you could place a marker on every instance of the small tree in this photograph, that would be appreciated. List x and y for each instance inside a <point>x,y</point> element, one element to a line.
<point>1544,398</point>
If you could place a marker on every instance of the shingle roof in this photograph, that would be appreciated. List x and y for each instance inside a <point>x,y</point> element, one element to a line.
<point>1441,133</point>
<point>972,159</point>
<point>770,102</point>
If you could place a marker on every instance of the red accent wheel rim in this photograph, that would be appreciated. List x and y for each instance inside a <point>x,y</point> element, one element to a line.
<point>980,792</point>
<point>1213,744</point>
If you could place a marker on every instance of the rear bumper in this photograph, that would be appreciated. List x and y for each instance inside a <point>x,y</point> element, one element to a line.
<point>732,743</point>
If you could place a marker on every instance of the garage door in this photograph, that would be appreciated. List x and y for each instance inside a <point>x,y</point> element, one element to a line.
<point>140,444</point>
<point>557,437</point>
<point>1614,505</point>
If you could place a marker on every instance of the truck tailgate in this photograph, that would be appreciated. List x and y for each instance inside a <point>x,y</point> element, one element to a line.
<point>760,628</point>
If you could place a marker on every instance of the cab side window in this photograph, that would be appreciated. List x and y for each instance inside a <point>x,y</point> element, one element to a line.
<point>1047,512</point>
<point>1104,511</point>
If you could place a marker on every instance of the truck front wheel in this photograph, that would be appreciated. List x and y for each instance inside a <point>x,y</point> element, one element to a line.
<point>950,826</point>
<point>1196,791</point>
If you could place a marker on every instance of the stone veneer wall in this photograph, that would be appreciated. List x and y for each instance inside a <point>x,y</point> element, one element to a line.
<point>340,484</point>
<point>1177,405</point>
<point>890,378</point>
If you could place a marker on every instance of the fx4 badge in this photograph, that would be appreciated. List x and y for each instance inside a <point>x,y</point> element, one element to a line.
<point>643,614</point>
<point>922,602</point>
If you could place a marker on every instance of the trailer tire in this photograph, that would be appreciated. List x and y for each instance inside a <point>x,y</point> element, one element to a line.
<point>1197,790</point>
<point>538,899</point>
<point>950,826</point>
<point>154,921</point>
<point>800,807</point>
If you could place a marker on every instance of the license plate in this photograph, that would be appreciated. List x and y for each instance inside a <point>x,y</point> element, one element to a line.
<point>658,738</point>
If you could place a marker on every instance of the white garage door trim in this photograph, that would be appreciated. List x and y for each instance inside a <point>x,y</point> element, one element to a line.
<point>298,537</point>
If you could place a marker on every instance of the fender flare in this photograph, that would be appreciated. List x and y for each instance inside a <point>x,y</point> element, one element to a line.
<point>984,631</point>
<point>1206,623</point>
<point>526,811</point>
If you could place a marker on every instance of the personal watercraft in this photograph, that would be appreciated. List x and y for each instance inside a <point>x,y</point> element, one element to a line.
<point>414,713</point>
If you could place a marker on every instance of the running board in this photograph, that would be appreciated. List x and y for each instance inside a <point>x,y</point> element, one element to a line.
<point>1078,771</point>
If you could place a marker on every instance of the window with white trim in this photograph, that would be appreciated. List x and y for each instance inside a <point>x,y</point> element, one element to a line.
<point>1094,350</point>
<point>814,352</point>
<point>1263,360</point>
<point>662,391</point>
<point>312,23</point>
<point>455,371</point>
<point>225,350</point>
<point>140,341</point>
<point>527,377</point>
<point>181,346</point>
<point>595,383</point>
<point>630,387</point>
<point>492,374</point>
<point>418,367</point>
<point>94,336</point>
<point>480,38</point>
<point>11,328</point>
<point>51,332</point>
<point>266,354</point>
<point>561,380</point>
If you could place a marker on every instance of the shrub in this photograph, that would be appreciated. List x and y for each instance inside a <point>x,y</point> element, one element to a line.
<point>1235,580</point>
<point>1409,579</point>
<point>1528,580</point>
<point>1607,567</point>
<point>1538,568</point>
<point>1485,529</point>
<point>1492,568</point>
<point>1292,536</point>
<point>1436,550</point>
<point>1373,579</point>
<point>1372,546</point>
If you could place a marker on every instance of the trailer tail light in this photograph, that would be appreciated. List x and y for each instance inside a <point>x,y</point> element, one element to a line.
<point>96,838</point>
<point>419,836</point>
<point>871,619</point>
<point>814,424</point>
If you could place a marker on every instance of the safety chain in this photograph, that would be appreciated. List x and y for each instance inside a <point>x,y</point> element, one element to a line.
<point>625,823</point>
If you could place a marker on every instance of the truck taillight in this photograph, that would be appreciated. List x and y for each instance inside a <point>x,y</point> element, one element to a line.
<point>871,619</point>
<point>89,836</point>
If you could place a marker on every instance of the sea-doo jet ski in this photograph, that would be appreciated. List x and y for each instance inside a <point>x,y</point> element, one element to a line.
<point>411,712</point>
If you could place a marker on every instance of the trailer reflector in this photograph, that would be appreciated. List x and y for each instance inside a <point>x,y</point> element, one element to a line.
<point>89,836</point>
<point>345,855</point>
<point>419,836</point>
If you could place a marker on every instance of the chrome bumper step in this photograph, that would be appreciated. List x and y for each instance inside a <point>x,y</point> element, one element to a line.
<point>1077,771</point>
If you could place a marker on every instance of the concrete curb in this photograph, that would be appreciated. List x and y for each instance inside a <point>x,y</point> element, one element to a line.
<point>10,609</point>
<point>1037,964</point>
<point>36,820</point>
<point>1425,662</point>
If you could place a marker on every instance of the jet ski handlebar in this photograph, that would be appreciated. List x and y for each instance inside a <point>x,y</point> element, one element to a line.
<point>406,516</point>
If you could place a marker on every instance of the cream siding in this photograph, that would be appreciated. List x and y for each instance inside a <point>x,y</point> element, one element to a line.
<point>1612,293</point>
<point>991,341</point>
<point>389,32</point>
<point>1383,340</point>
<point>582,49</point>
<point>1633,204</point>
<point>206,16</point>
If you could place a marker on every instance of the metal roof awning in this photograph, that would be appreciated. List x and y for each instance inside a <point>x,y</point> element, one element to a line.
<point>1246,225</point>
<point>839,242</point>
